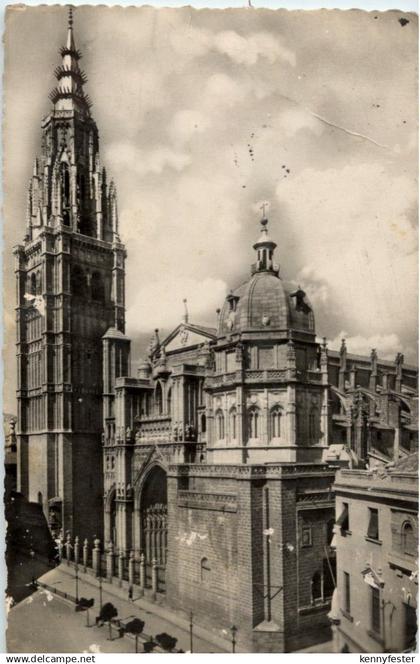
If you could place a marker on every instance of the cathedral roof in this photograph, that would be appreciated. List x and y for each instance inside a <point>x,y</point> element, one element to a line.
<point>265,301</point>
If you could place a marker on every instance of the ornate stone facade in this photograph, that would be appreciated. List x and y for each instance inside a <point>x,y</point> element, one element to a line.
<point>70,291</point>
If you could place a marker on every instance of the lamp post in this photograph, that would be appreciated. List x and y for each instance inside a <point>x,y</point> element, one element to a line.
<point>191,631</point>
<point>233,629</point>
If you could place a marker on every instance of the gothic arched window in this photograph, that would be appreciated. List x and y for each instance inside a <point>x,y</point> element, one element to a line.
<point>65,192</point>
<point>97,287</point>
<point>313,420</point>
<point>33,284</point>
<point>38,283</point>
<point>408,541</point>
<point>169,401</point>
<point>203,423</point>
<point>253,417</point>
<point>232,423</point>
<point>159,399</point>
<point>275,422</point>
<point>220,425</point>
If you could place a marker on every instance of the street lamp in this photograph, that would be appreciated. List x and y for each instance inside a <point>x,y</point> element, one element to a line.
<point>191,631</point>
<point>233,629</point>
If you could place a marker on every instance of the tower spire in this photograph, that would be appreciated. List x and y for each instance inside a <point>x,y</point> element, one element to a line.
<point>69,93</point>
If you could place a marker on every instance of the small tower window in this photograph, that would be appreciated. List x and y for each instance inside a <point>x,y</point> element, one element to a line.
<point>275,422</point>
<point>33,284</point>
<point>65,193</point>
<point>220,425</point>
<point>253,417</point>
<point>158,399</point>
<point>203,423</point>
<point>408,541</point>
<point>232,423</point>
<point>313,416</point>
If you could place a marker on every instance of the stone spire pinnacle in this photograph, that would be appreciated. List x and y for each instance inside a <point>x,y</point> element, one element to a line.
<point>69,93</point>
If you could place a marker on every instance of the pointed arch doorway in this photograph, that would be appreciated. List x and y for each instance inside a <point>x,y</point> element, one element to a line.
<point>154,522</point>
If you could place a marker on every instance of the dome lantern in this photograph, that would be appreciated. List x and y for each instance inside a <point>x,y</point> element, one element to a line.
<point>265,247</point>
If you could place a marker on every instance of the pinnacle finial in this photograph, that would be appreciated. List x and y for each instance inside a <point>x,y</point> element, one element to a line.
<point>70,17</point>
<point>185,310</point>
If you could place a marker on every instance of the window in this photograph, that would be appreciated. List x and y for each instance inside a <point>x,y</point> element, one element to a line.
<point>169,401</point>
<point>33,284</point>
<point>253,422</point>
<point>232,422</point>
<point>158,399</point>
<point>346,592</point>
<point>408,541</point>
<point>306,536</point>
<point>203,423</point>
<point>313,416</point>
<point>220,425</point>
<point>375,610</point>
<point>230,361</point>
<point>316,588</point>
<point>373,527</point>
<point>343,520</point>
<point>275,422</point>
<point>410,636</point>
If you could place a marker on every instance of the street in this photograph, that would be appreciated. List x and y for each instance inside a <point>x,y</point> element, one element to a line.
<point>44,622</point>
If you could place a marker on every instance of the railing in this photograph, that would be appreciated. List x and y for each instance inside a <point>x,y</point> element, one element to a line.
<point>110,564</point>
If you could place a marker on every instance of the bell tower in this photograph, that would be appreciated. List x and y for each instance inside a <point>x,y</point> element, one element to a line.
<point>70,291</point>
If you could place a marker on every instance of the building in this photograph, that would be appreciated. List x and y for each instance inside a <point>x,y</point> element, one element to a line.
<point>377,570</point>
<point>70,291</point>
<point>216,461</point>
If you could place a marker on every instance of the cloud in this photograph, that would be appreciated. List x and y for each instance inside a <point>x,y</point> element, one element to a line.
<point>247,50</point>
<point>186,123</point>
<point>192,42</point>
<point>353,227</point>
<point>293,120</point>
<point>142,162</point>
<point>158,303</point>
<point>387,345</point>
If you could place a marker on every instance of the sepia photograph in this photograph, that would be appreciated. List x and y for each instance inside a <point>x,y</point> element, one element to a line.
<point>210,327</point>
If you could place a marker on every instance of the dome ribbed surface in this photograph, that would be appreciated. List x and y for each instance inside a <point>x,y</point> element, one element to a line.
<point>264,303</point>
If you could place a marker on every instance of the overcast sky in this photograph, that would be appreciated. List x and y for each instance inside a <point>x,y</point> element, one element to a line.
<point>205,114</point>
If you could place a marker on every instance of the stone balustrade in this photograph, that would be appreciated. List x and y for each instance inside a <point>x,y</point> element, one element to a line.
<point>129,569</point>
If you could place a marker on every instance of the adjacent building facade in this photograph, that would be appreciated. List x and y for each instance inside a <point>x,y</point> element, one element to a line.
<point>216,461</point>
<point>377,553</point>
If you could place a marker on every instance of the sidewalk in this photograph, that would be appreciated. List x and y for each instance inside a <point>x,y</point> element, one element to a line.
<point>157,618</point>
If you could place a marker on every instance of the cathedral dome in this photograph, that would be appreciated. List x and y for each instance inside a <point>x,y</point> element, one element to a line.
<point>265,302</point>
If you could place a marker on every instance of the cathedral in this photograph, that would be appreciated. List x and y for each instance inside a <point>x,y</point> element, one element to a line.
<point>215,463</point>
